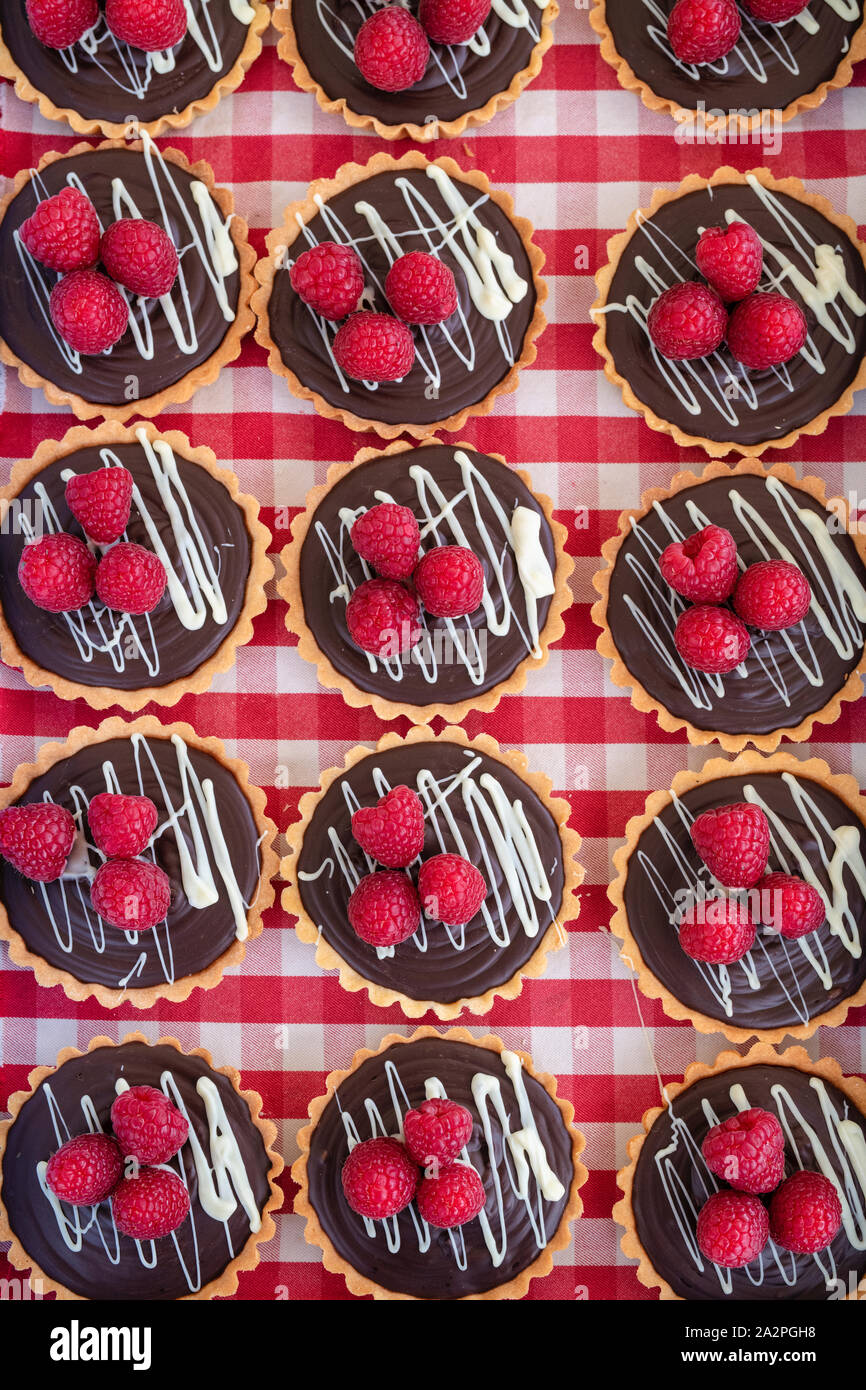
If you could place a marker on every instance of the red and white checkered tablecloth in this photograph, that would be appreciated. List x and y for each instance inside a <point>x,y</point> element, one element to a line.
<point>578,154</point>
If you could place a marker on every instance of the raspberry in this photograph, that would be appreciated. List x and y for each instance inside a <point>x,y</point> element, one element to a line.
<point>766,330</point>
<point>391,49</point>
<point>451,889</point>
<point>132,894</point>
<point>130,578</point>
<point>384,908</point>
<point>101,502</point>
<point>57,573</point>
<point>436,1131</point>
<point>85,1170</point>
<point>63,232</point>
<point>688,320</point>
<point>121,825</point>
<point>88,311</point>
<point>775,11</point>
<point>717,930</point>
<point>703,567</point>
<point>139,255</point>
<point>734,843</point>
<point>421,289</point>
<point>791,905</point>
<point>383,618</point>
<point>392,831</point>
<point>149,24</point>
<point>700,31</point>
<point>330,278</point>
<point>150,1205</point>
<point>453,21</point>
<point>772,595</point>
<point>379,1178</point>
<point>387,537</point>
<point>37,839</point>
<point>452,1199</point>
<point>60,23</point>
<point>731,259</point>
<point>711,639</point>
<point>732,1228</point>
<point>147,1125</point>
<point>747,1151</point>
<point>374,347</point>
<point>805,1213</point>
<point>449,580</point>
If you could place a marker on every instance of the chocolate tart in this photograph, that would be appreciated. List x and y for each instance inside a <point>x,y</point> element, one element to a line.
<point>205,530</point>
<point>667,1182</point>
<point>460,664</point>
<point>102,85</point>
<point>713,401</point>
<point>363,1100</point>
<point>464,85</point>
<point>460,366</point>
<point>220,873</point>
<point>817,831</point>
<point>203,1257</point>
<point>443,969</point>
<point>790,680</point>
<point>210,297</point>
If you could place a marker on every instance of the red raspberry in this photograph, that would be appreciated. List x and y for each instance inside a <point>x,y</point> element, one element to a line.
<point>57,573</point>
<point>88,311</point>
<point>452,1199</point>
<point>453,21</point>
<point>147,1125</point>
<point>436,1131</point>
<point>383,618</point>
<point>421,289</point>
<point>711,639</point>
<point>791,905</point>
<point>130,578</point>
<point>805,1213</point>
<point>772,595</point>
<point>766,330</point>
<point>700,31</point>
<point>717,930</point>
<point>384,908</point>
<point>731,259</point>
<point>392,831</point>
<point>374,347</point>
<point>451,889</point>
<point>703,567</point>
<point>330,278</point>
<point>379,1179</point>
<point>732,1228</point>
<point>734,843</point>
<point>449,580</point>
<point>150,1205</point>
<point>688,320</point>
<point>139,255</point>
<point>121,825</point>
<point>775,11</point>
<point>747,1151</point>
<point>148,24</point>
<point>387,537</point>
<point>101,501</point>
<point>63,232</point>
<point>36,839</point>
<point>391,49</point>
<point>132,894</point>
<point>85,1170</point>
<point>60,23</point>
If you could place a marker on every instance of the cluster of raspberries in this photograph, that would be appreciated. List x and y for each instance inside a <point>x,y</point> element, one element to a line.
<point>151,25</point>
<point>702,31</point>
<point>392,48</point>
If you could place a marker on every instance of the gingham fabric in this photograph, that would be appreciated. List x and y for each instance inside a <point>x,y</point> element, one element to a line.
<point>578,154</point>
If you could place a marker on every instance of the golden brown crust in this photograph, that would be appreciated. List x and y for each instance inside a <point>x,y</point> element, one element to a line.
<point>206,372</point>
<point>357,1283</point>
<point>282,238</point>
<point>620,674</point>
<point>261,569</point>
<point>288,50</point>
<point>554,938</point>
<point>227,1282</point>
<point>211,975</point>
<point>798,1057</point>
<point>604,278</point>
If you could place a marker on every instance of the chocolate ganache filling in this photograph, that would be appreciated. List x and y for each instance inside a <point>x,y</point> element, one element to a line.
<point>112,1266</point>
<point>458,362</point>
<point>466,813</point>
<point>672,1183</point>
<point>57,920</point>
<point>780,983</point>
<point>715,397</point>
<point>206,550</point>
<point>787,676</point>
<point>372,1100</point>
